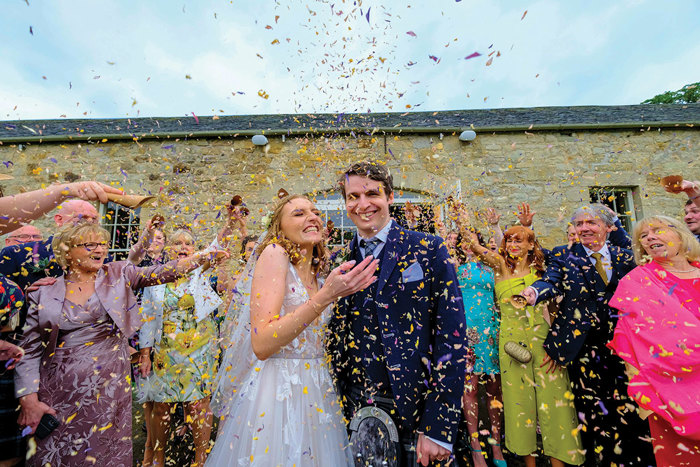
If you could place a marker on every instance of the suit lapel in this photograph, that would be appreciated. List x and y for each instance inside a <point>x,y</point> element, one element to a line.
<point>391,254</point>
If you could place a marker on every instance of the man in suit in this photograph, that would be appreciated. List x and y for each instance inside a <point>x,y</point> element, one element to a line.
<point>585,275</point>
<point>401,343</point>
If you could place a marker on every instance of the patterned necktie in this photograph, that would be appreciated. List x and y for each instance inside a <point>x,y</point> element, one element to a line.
<point>599,267</point>
<point>369,245</point>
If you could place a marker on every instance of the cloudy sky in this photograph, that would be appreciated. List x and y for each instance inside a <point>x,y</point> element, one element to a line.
<point>127,58</point>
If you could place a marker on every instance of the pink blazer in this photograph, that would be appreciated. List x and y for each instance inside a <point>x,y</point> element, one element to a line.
<point>114,287</point>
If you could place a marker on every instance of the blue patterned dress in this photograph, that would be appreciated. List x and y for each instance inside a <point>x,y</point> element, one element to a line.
<point>476,282</point>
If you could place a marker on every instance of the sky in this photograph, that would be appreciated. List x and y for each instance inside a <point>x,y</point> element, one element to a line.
<point>130,58</point>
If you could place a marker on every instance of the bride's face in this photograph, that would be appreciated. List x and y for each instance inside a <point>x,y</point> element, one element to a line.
<point>301,222</point>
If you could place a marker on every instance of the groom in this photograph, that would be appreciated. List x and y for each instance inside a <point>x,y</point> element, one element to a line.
<point>399,345</point>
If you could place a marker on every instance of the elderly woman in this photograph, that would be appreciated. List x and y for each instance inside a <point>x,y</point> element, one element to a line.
<point>76,366</point>
<point>180,328</point>
<point>657,336</point>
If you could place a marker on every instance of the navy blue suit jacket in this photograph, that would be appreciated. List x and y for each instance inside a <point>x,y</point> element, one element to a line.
<point>28,262</point>
<point>423,333</point>
<point>571,275</point>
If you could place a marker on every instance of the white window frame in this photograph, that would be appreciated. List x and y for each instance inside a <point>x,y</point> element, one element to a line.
<point>133,225</point>
<point>626,213</point>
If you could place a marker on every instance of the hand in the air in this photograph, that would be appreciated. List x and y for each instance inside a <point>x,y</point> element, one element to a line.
<point>91,191</point>
<point>525,215</point>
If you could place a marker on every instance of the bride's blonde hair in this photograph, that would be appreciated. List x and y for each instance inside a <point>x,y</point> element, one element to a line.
<point>274,235</point>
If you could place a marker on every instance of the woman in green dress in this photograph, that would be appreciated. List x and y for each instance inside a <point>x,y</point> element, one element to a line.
<point>531,395</point>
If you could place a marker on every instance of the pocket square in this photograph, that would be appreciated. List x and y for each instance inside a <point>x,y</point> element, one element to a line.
<point>412,273</point>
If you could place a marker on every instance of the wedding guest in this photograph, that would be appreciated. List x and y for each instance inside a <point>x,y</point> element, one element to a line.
<point>181,331</point>
<point>692,205</point>
<point>571,235</point>
<point>585,277</point>
<point>476,282</point>
<point>532,395</point>
<point>26,233</point>
<point>657,336</point>
<point>27,264</point>
<point>76,366</point>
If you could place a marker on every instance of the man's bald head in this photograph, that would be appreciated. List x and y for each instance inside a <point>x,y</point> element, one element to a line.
<point>74,211</point>
<point>25,234</point>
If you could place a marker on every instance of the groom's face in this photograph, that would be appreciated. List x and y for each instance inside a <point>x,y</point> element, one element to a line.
<point>367,204</point>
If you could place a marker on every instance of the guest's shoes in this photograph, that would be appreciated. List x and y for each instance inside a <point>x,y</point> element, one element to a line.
<point>497,462</point>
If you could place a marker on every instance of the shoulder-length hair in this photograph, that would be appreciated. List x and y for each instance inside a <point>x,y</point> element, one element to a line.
<point>70,236</point>
<point>275,235</point>
<point>689,244</point>
<point>534,257</point>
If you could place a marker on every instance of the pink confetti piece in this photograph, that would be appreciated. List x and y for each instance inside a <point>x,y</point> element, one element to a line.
<point>412,34</point>
<point>473,55</point>
<point>195,118</point>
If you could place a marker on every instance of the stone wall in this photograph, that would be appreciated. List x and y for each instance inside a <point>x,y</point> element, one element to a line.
<point>551,170</point>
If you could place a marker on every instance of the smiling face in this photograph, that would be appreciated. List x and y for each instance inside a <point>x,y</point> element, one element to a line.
<point>592,231</point>
<point>492,245</point>
<point>692,218</point>
<point>518,246</point>
<point>180,246</point>
<point>451,240</point>
<point>300,222</point>
<point>660,241</point>
<point>87,253</point>
<point>571,235</point>
<point>367,204</point>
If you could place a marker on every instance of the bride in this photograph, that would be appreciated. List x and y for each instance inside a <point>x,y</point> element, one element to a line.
<point>275,396</point>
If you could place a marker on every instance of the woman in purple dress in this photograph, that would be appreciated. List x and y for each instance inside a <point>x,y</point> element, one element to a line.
<point>76,366</point>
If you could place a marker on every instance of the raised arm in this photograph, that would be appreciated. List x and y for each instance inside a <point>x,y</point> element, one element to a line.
<point>270,331</point>
<point>236,220</point>
<point>161,273</point>
<point>494,218</point>
<point>491,259</point>
<point>25,207</point>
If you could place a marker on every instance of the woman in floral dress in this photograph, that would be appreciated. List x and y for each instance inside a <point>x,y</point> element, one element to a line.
<point>180,328</point>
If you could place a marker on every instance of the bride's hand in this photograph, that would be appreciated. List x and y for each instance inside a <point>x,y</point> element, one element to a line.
<point>349,278</point>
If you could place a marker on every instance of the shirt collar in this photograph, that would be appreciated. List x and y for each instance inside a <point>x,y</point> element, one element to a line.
<point>603,251</point>
<point>382,235</point>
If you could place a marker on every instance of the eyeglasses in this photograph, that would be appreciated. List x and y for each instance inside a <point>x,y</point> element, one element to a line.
<point>26,237</point>
<point>89,246</point>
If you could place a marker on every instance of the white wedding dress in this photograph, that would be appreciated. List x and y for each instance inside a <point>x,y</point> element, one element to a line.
<point>282,411</point>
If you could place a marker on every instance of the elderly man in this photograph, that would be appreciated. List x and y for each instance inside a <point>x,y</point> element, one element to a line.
<point>25,234</point>
<point>29,262</point>
<point>585,276</point>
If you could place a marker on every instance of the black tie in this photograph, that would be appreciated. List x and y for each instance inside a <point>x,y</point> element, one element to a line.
<point>369,245</point>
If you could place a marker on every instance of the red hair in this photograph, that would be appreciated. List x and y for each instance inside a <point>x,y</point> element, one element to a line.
<point>534,257</point>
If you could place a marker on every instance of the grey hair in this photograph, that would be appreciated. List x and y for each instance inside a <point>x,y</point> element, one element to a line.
<point>597,211</point>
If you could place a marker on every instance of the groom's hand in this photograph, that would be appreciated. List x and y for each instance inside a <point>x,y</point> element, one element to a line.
<point>429,451</point>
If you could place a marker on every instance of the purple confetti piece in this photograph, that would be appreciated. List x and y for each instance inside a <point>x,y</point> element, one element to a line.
<point>367,15</point>
<point>445,357</point>
<point>26,431</point>
<point>53,160</point>
<point>602,407</point>
<point>473,55</point>
<point>673,287</point>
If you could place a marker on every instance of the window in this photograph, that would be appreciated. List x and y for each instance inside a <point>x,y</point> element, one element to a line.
<point>123,226</point>
<point>332,205</point>
<point>619,199</point>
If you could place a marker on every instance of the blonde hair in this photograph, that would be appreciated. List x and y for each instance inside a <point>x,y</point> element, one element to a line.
<point>275,235</point>
<point>689,244</point>
<point>70,235</point>
<point>170,239</point>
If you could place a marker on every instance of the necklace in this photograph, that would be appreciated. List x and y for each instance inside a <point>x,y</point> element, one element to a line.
<point>678,270</point>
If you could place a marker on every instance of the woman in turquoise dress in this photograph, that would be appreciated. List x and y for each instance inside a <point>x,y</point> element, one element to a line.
<point>476,281</point>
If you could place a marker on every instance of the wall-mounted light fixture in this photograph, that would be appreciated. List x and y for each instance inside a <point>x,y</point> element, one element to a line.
<point>467,135</point>
<point>259,140</point>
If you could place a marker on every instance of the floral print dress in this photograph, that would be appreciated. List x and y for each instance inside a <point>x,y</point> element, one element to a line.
<point>186,358</point>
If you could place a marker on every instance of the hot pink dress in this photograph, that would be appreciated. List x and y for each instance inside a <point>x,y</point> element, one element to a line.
<point>658,333</point>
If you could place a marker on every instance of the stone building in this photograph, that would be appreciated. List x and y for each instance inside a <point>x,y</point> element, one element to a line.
<point>555,158</point>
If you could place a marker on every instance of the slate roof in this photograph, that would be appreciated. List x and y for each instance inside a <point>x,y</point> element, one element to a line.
<point>518,119</point>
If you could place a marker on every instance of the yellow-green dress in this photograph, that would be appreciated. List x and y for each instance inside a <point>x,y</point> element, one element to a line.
<point>529,394</point>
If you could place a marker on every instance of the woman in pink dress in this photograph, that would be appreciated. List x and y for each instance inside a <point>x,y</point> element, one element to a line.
<point>658,336</point>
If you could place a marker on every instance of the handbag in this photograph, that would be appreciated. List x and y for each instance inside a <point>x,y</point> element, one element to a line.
<point>517,351</point>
